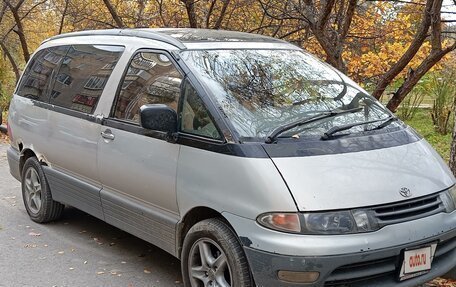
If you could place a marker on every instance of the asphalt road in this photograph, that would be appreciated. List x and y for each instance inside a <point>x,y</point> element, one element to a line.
<point>79,250</point>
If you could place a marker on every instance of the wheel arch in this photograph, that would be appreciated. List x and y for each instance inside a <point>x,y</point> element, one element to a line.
<point>26,153</point>
<point>192,217</point>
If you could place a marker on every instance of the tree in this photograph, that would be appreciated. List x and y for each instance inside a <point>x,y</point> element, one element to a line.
<point>339,28</point>
<point>378,43</point>
<point>329,21</point>
<point>431,20</point>
<point>18,28</point>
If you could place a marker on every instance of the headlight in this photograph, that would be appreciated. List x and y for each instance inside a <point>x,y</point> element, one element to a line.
<point>449,198</point>
<point>337,222</point>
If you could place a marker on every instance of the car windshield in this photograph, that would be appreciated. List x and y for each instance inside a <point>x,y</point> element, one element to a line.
<point>261,91</point>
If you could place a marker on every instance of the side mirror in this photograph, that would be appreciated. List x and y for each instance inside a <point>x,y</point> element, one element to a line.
<point>158,117</point>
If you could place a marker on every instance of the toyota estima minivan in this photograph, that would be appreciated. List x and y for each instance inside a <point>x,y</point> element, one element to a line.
<point>245,157</point>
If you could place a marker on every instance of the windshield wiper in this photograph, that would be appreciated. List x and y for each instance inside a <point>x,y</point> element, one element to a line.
<point>283,128</point>
<point>333,130</point>
<point>385,123</point>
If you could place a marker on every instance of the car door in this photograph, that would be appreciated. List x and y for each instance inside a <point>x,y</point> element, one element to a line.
<point>137,167</point>
<point>72,131</point>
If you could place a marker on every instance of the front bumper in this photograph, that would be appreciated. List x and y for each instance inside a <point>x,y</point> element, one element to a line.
<point>373,268</point>
<point>363,259</point>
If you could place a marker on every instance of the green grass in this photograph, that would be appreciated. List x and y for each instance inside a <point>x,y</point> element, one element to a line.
<point>422,123</point>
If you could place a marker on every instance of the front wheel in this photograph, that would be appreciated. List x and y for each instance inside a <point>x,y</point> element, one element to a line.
<point>213,257</point>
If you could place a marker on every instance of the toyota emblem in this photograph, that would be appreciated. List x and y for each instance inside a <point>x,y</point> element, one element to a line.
<point>405,192</point>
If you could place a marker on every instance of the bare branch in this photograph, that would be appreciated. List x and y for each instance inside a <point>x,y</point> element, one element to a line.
<point>348,18</point>
<point>114,14</point>
<point>191,12</point>
<point>416,75</point>
<point>209,12</point>
<point>18,29</point>
<point>325,13</point>
<point>418,40</point>
<point>218,24</point>
<point>62,20</point>
<point>11,60</point>
<point>22,18</point>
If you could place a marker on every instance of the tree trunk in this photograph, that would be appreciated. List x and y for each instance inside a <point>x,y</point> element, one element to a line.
<point>140,23</point>
<point>11,60</point>
<point>191,13</point>
<point>416,44</point>
<point>414,77</point>
<point>19,29</point>
<point>114,14</point>
<point>218,24</point>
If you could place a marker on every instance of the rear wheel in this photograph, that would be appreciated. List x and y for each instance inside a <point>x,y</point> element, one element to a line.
<point>37,195</point>
<point>213,257</point>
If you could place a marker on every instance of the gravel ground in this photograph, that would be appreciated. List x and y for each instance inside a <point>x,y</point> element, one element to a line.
<point>78,250</point>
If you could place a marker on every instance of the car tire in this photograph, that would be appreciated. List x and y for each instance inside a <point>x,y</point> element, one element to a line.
<point>213,256</point>
<point>37,195</point>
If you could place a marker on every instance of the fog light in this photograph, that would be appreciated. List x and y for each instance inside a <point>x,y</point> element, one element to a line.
<point>298,277</point>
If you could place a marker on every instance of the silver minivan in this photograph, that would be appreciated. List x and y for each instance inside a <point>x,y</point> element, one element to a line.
<point>245,157</point>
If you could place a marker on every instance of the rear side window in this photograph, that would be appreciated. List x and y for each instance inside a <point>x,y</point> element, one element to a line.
<point>37,78</point>
<point>83,75</point>
<point>151,78</point>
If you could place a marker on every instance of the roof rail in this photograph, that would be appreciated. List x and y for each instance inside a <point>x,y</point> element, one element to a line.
<point>124,32</point>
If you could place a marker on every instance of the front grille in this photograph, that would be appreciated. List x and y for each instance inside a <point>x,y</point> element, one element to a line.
<point>384,269</point>
<point>408,210</point>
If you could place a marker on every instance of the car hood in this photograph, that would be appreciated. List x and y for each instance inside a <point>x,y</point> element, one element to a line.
<point>366,178</point>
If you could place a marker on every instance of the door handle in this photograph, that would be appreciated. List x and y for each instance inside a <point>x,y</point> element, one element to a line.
<point>107,134</point>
